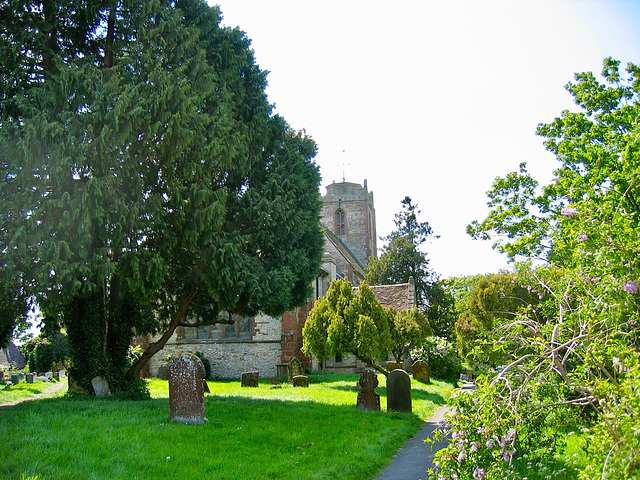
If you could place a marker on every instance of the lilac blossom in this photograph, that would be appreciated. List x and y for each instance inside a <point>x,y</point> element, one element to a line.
<point>631,287</point>
<point>474,447</point>
<point>568,212</point>
<point>479,473</point>
<point>461,456</point>
<point>583,238</point>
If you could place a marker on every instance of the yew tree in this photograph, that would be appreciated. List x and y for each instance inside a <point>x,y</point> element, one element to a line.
<point>145,182</point>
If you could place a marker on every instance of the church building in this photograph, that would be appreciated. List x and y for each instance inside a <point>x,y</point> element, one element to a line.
<point>261,343</point>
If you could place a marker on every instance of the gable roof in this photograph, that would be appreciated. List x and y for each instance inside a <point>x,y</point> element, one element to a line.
<point>11,357</point>
<point>399,297</point>
<point>344,250</point>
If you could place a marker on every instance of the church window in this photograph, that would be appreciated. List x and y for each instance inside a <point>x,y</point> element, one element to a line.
<point>340,226</point>
<point>240,329</point>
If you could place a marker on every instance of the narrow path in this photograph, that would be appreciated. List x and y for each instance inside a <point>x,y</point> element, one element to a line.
<point>416,457</point>
<point>53,389</point>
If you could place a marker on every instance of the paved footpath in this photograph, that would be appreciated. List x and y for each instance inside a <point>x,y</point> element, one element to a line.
<point>52,389</point>
<point>416,457</point>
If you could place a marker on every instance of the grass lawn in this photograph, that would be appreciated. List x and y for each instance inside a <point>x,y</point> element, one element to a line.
<point>252,433</point>
<point>23,390</point>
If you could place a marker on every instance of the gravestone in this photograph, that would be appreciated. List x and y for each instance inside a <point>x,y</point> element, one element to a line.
<point>56,375</point>
<point>29,377</point>
<point>399,391</point>
<point>300,381</point>
<point>15,379</point>
<point>368,399</point>
<point>186,389</point>
<point>100,387</point>
<point>21,376</point>
<point>249,379</point>
<point>61,373</point>
<point>282,370</point>
<point>295,368</point>
<point>163,372</point>
<point>391,366</point>
<point>420,370</point>
<point>48,374</point>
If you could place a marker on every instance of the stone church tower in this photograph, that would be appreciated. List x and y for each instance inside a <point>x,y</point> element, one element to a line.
<point>348,213</point>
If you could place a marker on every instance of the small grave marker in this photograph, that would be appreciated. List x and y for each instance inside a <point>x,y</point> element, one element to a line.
<point>295,368</point>
<point>399,391</point>
<point>301,381</point>
<point>250,379</point>
<point>186,389</point>
<point>368,398</point>
<point>100,387</point>
<point>420,370</point>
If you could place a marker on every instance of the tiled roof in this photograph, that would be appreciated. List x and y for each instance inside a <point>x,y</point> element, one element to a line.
<point>400,296</point>
<point>11,356</point>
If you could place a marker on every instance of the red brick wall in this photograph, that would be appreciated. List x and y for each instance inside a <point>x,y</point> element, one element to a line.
<point>292,323</point>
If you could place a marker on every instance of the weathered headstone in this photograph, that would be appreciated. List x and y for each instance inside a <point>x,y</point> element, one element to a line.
<point>56,375</point>
<point>368,398</point>
<point>391,366</point>
<point>420,370</point>
<point>399,391</point>
<point>300,381</point>
<point>48,374</point>
<point>15,379</point>
<point>29,377</point>
<point>186,389</point>
<point>100,387</point>
<point>250,379</point>
<point>163,372</point>
<point>21,376</point>
<point>282,370</point>
<point>61,373</point>
<point>295,368</point>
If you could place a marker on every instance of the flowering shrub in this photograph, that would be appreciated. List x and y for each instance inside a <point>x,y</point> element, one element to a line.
<point>441,356</point>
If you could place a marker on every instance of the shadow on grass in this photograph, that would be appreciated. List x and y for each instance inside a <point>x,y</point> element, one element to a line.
<point>279,439</point>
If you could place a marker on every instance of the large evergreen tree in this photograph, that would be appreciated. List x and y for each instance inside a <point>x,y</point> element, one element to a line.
<point>144,180</point>
<point>402,259</point>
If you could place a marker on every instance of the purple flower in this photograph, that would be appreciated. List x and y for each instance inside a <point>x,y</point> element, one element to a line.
<point>461,456</point>
<point>568,212</point>
<point>583,238</point>
<point>479,473</point>
<point>631,287</point>
<point>490,444</point>
<point>474,447</point>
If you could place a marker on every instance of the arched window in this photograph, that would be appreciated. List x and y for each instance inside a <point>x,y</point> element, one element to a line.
<point>340,230</point>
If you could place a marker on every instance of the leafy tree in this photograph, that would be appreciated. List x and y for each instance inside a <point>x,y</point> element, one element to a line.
<point>408,329</point>
<point>402,259</point>
<point>46,351</point>
<point>343,322</point>
<point>145,183</point>
<point>574,366</point>
<point>495,301</point>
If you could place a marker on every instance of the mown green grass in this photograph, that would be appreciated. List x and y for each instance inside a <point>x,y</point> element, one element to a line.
<point>252,433</point>
<point>24,390</point>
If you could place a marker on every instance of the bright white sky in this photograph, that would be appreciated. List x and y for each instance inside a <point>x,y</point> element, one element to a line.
<point>431,99</point>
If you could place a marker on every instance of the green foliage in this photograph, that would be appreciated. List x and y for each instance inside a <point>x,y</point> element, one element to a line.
<point>342,322</point>
<point>408,329</point>
<point>441,356</point>
<point>47,351</point>
<point>570,363</point>
<point>205,363</point>
<point>495,302</point>
<point>144,179</point>
<point>402,260</point>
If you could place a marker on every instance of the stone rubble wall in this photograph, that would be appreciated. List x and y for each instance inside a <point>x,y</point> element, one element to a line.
<point>230,358</point>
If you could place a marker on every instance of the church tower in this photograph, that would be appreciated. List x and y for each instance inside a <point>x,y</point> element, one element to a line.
<point>348,213</point>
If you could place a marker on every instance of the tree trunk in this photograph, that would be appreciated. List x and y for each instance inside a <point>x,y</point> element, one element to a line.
<point>156,346</point>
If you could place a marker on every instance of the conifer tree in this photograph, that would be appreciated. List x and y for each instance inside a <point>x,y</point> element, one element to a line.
<point>144,180</point>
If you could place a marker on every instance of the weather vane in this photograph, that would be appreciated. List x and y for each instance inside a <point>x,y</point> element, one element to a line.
<point>344,165</point>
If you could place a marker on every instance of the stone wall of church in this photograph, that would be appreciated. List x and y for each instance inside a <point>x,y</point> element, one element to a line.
<point>229,358</point>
